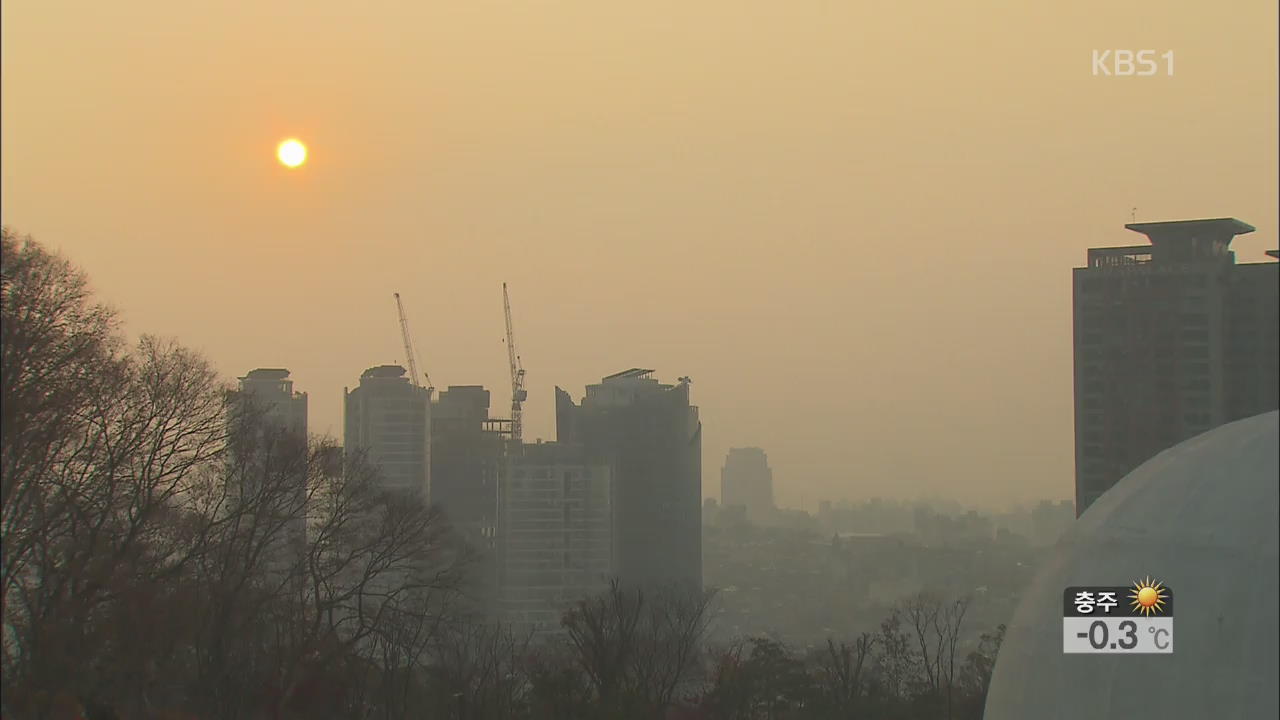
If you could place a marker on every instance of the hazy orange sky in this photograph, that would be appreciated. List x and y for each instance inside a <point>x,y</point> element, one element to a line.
<point>851,223</point>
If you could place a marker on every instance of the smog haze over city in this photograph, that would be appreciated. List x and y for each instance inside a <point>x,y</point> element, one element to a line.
<point>582,360</point>
<point>851,224</point>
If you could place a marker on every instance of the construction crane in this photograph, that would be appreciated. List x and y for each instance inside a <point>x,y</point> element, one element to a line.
<point>409,354</point>
<point>518,393</point>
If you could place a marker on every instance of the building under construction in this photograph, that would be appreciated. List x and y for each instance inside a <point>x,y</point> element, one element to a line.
<point>555,530</point>
<point>467,460</point>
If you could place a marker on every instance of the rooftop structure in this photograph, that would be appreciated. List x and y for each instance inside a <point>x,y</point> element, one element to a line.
<point>1171,339</point>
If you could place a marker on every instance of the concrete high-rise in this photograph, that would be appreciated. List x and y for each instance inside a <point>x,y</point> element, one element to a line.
<point>271,394</point>
<point>1171,339</point>
<point>651,439</point>
<point>555,534</point>
<point>390,418</point>
<point>269,440</point>
<point>747,481</point>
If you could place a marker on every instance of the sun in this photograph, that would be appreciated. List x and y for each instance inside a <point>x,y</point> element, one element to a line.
<point>1148,597</point>
<point>292,153</point>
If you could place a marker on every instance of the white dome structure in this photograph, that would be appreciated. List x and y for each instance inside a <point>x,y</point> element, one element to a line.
<point>1201,518</point>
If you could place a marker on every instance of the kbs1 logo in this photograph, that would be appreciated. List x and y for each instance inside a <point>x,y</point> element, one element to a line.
<point>1129,63</point>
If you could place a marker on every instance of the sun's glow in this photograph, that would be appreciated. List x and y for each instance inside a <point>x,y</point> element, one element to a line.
<point>292,153</point>
<point>1148,597</point>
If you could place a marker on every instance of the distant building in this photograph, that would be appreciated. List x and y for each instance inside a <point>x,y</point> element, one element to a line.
<point>1049,520</point>
<point>746,480</point>
<point>555,530</point>
<point>941,529</point>
<point>270,435</point>
<point>390,419</point>
<point>1171,339</point>
<point>651,439</point>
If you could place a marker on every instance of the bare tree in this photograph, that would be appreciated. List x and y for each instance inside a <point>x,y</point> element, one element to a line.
<point>947,627</point>
<point>558,689</point>
<point>57,350</point>
<point>840,672</point>
<point>733,691</point>
<point>162,548</point>
<point>975,676</point>
<point>768,682</point>
<point>675,624</point>
<point>898,666</point>
<point>380,579</point>
<point>604,632</point>
<point>921,613</point>
<point>637,646</point>
<point>479,671</point>
<point>936,627</point>
<point>90,522</point>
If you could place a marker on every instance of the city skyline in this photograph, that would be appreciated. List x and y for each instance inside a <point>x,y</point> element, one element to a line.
<point>797,499</point>
<point>853,227</point>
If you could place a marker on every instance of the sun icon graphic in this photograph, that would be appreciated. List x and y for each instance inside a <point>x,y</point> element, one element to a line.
<point>1148,597</point>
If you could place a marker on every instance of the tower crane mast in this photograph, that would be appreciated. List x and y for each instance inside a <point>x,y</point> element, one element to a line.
<point>409,354</point>
<point>518,393</point>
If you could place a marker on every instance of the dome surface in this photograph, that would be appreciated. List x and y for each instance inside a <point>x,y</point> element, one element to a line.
<point>1202,519</point>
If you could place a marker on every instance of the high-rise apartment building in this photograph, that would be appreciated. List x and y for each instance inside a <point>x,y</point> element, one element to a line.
<point>651,439</point>
<point>1171,339</point>
<point>390,418</point>
<point>555,534</point>
<point>746,481</point>
<point>273,398</point>
<point>269,441</point>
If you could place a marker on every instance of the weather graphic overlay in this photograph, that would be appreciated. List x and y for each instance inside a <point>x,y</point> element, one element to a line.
<point>1148,597</point>
<point>1132,619</point>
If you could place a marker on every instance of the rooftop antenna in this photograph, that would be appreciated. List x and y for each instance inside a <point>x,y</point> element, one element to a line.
<point>1133,215</point>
